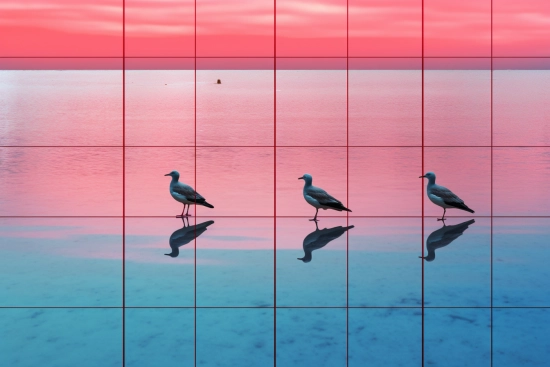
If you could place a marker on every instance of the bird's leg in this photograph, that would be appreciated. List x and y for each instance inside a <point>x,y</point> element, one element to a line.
<point>443,218</point>
<point>315,218</point>
<point>181,216</point>
<point>187,214</point>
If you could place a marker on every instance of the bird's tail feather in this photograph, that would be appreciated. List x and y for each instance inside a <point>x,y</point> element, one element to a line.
<point>337,206</point>
<point>463,207</point>
<point>207,205</point>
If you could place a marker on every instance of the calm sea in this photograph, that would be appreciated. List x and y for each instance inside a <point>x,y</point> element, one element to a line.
<point>63,167</point>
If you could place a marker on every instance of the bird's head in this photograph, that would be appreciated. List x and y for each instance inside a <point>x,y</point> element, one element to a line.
<point>430,176</point>
<point>174,174</point>
<point>307,178</point>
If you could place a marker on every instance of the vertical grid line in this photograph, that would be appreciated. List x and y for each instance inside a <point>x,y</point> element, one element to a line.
<point>422,185</point>
<point>491,114</point>
<point>196,188</point>
<point>347,182</point>
<point>123,183</point>
<point>275,183</point>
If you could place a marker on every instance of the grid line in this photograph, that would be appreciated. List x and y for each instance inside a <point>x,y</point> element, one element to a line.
<point>423,217</point>
<point>491,224</point>
<point>278,57</point>
<point>275,183</point>
<point>123,183</point>
<point>422,185</point>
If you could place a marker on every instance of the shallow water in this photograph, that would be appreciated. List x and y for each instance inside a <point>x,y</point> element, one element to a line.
<point>67,262</point>
<point>352,287</point>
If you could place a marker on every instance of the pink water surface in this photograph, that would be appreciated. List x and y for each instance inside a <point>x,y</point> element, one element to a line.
<point>240,181</point>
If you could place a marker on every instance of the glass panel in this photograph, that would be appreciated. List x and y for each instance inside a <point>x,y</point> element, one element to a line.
<point>374,333</point>
<point>385,28</point>
<point>236,181</point>
<point>60,107</point>
<point>234,337</point>
<point>61,337</point>
<point>377,247</point>
<point>61,262</point>
<point>311,337</point>
<point>464,171</point>
<point>60,181</point>
<point>520,337</point>
<point>385,102</point>
<point>160,262</point>
<point>327,166</point>
<point>520,28</point>
<point>235,262</point>
<point>160,103</point>
<point>89,28</point>
<point>521,91</point>
<point>384,181</point>
<point>521,256</point>
<point>235,28</point>
<point>457,28</point>
<point>457,337</point>
<point>457,271</point>
<point>307,279</point>
<point>239,111</point>
<point>457,102</point>
<point>311,104</point>
<point>160,29</point>
<point>311,28</point>
<point>147,190</point>
<point>521,185</point>
<point>160,337</point>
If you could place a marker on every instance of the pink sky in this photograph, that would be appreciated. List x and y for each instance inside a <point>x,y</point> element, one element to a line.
<point>245,28</point>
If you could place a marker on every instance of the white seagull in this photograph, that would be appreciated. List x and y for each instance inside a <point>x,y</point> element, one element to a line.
<point>319,198</point>
<point>185,194</point>
<point>442,196</point>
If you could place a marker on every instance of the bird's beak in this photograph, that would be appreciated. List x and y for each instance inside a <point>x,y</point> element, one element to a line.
<point>421,176</point>
<point>167,174</point>
<point>301,178</point>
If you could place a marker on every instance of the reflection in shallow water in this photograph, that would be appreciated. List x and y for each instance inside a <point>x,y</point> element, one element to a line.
<point>444,236</point>
<point>320,238</point>
<point>185,235</point>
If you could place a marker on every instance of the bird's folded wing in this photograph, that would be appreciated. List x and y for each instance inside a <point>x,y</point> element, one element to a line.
<point>447,195</point>
<point>322,196</point>
<point>187,191</point>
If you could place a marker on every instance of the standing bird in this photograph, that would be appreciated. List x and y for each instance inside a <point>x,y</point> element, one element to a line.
<point>185,194</point>
<point>319,198</point>
<point>442,196</point>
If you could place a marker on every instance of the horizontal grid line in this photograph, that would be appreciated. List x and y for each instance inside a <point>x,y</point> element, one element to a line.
<point>271,307</point>
<point>270,216</point>
<point>272,57</point>
<point>271,146</point>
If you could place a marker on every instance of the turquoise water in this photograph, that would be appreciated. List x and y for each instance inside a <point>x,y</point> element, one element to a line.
<point>77,262</point>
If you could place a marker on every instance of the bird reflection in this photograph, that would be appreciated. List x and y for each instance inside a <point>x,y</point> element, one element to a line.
<point>185,235</point>
<point>320,238</point>
<point>444,236</point>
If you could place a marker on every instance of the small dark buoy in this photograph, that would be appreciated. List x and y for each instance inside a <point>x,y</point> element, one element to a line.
<point>219,81</point>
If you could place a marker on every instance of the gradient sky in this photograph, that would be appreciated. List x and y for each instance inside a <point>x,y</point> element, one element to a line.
<point>245,28</point>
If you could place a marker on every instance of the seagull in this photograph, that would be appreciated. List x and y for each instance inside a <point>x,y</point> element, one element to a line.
<point>442,196</point>
<point>319,198</point>
<point>443,237</point>
<point>185,194</point>
<point>320,238</point>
